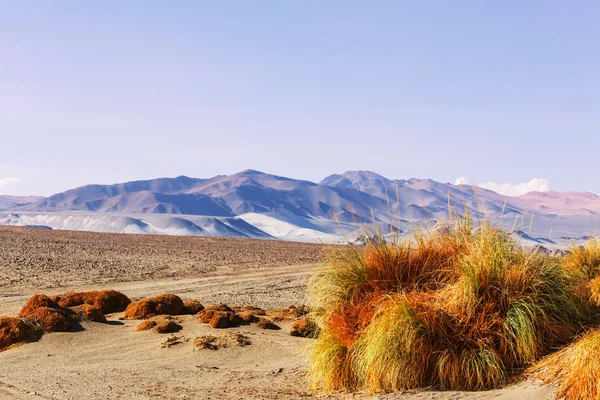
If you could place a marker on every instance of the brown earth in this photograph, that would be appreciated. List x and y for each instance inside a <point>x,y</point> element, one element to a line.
<point>114,361</point>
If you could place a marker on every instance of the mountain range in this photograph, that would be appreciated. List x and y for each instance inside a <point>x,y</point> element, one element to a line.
<point>259,205</point>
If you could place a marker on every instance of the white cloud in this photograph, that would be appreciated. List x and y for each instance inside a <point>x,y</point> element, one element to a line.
<point>8,181</point>
<point>511,189</point>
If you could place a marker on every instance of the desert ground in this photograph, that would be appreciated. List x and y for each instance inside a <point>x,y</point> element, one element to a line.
<point>114,361</point>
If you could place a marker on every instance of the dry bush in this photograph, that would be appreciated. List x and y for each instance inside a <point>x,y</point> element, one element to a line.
<point>107,301</point>
<point>220,319</point>
<point>89,313</point>
<point>47,314</point>
<point>168,304</point>
<point>160,324</point>
<point>192,307</point>
<point>305,327</point>
<point>247,317</point>
<point>167,326</point>
<point>50,319</point>
<point>583,262</point>
<point>575,369</point>
<point>36,301</point>
<point>13,331</point>
<point>457,309</point>
<point>146,325</point>
<point>265,323</point>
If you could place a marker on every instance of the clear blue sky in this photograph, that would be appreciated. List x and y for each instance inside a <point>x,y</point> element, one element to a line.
<point>109,91</point>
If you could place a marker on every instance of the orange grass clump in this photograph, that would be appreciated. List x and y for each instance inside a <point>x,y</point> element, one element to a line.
<point>575,369</point>
<point>305,327</point>
<point>13,331</point>
<point>192,307</point>
<point>107,301</point>
<point>50,319</point>
<point>90,313</point>
<point>265,323</point>
<point>168,304</point>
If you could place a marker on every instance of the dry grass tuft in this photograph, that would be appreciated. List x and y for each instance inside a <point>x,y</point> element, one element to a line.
<point>192,307</point>
<point>36,301</point>
<point>107,301</point>
<point>247,317</point>
<point>458,308</point>
<point>89,313</point>
<point>265,323</point>
<point>13,331</point>
<point>167,326</point>
<point>305,327</point>
<point>168,304</point>
<point>50,319</point>
<point>575,369</point>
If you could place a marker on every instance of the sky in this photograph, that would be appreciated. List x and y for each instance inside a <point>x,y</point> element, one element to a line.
<point>502,93</point>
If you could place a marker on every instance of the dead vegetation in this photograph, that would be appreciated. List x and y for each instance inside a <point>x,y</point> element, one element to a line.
<point>305,327</point>
<point>164,304</point>
<point>222,340</point>
<point>13,331</point>
<point>86,312</point>
<point>43,312</point>
<point>107,301</point>
<point>192,307</point>
<point>160,324</point>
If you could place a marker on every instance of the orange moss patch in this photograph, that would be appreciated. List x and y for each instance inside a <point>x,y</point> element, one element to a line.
<point>35,302</point>
<point>107,301</point>
<point>265,323</point>
<point>192,307</point>
<point>168,304</point>
<point>305,327</point>
<point>13,331</point>
<point>90,313</point>
<point>167,326</point>
<point>50,319</point>
<point>146,325</point>
<point>220,319</point>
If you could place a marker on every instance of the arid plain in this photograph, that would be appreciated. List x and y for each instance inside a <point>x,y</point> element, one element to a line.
<point>114,361</point>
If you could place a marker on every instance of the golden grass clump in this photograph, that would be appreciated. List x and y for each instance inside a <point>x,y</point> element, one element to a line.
<point>89,313</point>
<point>290,313</point>
<point>247,317</point>
<point>168,304</point>
<point>583,262</point>
<point>107,301</point>
<point>459,309</point>
<point>305,327</point>
<point>575,369</point>
<point>13,331</point>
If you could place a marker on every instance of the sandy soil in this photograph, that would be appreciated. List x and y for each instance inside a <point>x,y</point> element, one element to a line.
<point>114,361</point>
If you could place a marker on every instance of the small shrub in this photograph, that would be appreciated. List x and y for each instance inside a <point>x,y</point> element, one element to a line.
<point>107,301</point>
<point>167,326</point>
<point>50,319</point>
<point>168,304</point>
<point>192,307</point>
<point>265,323</point>
<point>305,327</point>
<point>13,331</point>
<point>89,312</point>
